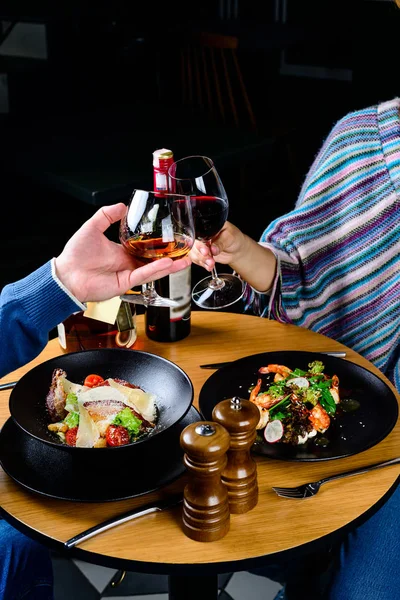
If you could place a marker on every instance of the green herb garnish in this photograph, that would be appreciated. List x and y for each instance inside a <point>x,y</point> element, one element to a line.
<point>72,419</point>
<point>127,419</point>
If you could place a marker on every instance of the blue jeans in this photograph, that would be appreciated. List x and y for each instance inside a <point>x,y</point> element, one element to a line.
<point>366,566</point>
<point>25,567</point>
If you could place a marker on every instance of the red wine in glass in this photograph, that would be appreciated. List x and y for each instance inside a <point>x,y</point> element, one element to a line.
<point>197,177</point>
<point>209,215</point>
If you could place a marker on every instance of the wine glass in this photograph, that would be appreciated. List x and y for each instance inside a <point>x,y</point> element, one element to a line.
<point>156,225</point>
<point>197,177</point>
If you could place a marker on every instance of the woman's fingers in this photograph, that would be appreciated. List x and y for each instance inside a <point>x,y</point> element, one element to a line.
<point>201,256</point>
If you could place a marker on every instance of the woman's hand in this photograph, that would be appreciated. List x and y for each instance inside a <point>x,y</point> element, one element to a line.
<point>227,247</point>
<point>254,263</point>
<point>93,268</point>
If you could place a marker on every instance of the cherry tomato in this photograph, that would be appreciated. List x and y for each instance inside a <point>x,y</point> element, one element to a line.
<point>117,435</point>
<point>93,380</point>
<point>70,436</point>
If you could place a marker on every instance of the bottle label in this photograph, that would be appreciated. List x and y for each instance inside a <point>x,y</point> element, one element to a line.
<point>180,290</point>
<point>160,181</point>
<point>105,311</point>
<point>126,317</point>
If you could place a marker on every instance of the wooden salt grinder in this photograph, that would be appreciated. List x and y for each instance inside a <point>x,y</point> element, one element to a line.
<point>240,419</point>
<point>205,516</point>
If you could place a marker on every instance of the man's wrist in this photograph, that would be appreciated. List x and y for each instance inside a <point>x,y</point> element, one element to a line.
<point>63,281</point>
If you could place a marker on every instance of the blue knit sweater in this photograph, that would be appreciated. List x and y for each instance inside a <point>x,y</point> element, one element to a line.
<point>29,309</point>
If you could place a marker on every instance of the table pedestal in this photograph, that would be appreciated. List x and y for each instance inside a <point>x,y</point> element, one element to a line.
<point>195,588</point>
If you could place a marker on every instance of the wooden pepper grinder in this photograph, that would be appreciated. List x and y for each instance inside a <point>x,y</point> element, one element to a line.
<point>205,516</point>
<point>240,419</point>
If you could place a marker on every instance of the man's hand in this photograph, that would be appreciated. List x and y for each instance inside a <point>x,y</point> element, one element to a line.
<point>93,268</point>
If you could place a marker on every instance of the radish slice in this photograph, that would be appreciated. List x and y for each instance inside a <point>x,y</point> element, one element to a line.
<point>273,431</point>
<point>299,382</point>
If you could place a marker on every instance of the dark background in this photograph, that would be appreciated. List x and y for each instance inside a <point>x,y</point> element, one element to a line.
<point>304,66</point>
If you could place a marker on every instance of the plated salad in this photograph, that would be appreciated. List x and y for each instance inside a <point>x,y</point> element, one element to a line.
<point>100,412</point>
<point>295,405</point>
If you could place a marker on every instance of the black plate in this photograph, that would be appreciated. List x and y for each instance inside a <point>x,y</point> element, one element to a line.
<point>348,434</point>
<point>51,472</point>
<point>171,386</point>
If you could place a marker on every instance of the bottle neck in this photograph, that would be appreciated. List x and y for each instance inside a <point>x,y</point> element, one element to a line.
<point>161,180</point>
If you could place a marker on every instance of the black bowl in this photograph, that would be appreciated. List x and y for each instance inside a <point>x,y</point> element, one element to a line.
<point>171,386</point>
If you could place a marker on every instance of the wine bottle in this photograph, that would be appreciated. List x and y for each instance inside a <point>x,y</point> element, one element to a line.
<point>109,324</point>
<point>163,324</point>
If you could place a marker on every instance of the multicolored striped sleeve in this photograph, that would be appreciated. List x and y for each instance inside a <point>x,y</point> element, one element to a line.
<point>338,250</point>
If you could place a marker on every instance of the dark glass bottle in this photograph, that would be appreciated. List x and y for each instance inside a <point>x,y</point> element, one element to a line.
<point>164,324</point>
<point>171,324</point>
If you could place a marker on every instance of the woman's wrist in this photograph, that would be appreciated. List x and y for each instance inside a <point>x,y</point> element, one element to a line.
<point>255,264</point>
<point>242,251</point>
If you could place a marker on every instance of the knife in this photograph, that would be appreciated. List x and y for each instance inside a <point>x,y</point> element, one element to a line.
<point>140,511</point>
<point>7,386</point>
<point>224,364</point>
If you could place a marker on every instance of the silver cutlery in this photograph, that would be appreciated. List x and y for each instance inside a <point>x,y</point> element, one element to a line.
<point>157,301</point>
<point>310,489</point>
<point>8,386</point>
<point>224,364</point>
<point>147,509</point>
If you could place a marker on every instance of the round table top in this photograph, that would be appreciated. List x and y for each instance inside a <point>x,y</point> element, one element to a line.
<point>155,543</point>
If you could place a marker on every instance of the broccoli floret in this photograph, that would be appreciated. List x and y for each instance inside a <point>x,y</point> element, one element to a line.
<point>316,367</point>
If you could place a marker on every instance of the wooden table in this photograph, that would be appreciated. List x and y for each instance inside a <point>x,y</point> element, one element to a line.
<point>155,543</point>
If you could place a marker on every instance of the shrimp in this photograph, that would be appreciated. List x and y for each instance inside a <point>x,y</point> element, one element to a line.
<point>264,417</point>
<point>319,418</point>
<point>334,390</point>
<point>255,390</point>
<point>281,372</point>
<point>263,400</point>
<point>263,403</point>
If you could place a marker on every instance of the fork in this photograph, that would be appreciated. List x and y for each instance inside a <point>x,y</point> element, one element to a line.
<point>310,489</point>
<point>155,301</point>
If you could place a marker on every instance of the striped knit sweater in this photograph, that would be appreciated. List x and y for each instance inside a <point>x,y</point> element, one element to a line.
<point>338,251</point>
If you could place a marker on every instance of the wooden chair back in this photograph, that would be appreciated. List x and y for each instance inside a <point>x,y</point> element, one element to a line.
<point>212,79</point>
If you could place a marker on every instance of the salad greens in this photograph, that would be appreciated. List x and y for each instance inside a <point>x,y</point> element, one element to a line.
<point>302,400</point>
<point>128,420</point>
<point>72,419</point>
